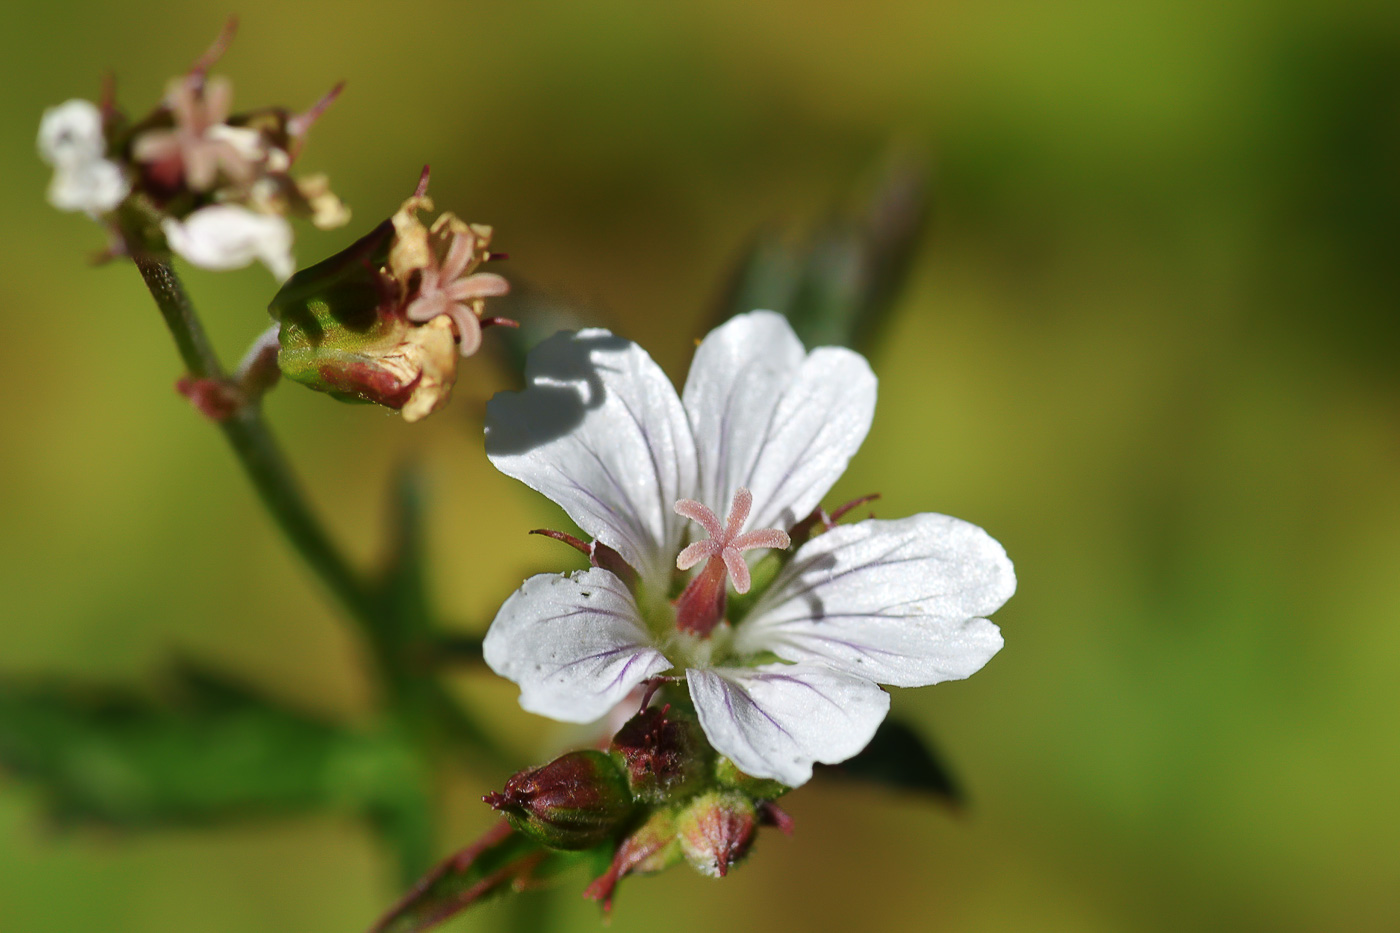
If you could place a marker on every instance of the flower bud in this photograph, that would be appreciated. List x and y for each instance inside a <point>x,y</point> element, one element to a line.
<point>664,754</point>
<point>716,830</point>
<point>575,802</point>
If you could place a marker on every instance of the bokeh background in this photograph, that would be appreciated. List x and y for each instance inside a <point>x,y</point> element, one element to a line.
<point>1149,344</point>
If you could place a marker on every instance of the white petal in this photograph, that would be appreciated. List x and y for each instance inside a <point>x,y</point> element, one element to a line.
<point>774,721</point>
<point>897,602</point>
<point>71,134</point>
<point>95,187</point>
<point>601,432</point>
<point>226,236</point>
<point>735,383</point>
<point>575,644</point>
<point>771,420</point>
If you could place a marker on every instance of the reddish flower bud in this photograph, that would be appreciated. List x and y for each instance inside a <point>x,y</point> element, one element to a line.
<point>716,830</point>
<point>664,754</point>
<point>575,802</point>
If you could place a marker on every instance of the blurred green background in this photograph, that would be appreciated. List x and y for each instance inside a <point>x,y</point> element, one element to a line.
<point>1149,344</point>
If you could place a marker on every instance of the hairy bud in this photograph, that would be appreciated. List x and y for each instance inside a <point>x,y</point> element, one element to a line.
<point>575,802</point>
<point>664,754</point>
<point>716,830</point>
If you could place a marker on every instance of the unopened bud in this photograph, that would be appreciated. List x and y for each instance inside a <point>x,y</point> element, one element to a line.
<point>664,754</point>
<point>716,830</point>
<point>575,802</point>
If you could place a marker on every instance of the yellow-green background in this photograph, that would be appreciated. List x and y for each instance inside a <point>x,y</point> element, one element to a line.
<point>1150,346</point>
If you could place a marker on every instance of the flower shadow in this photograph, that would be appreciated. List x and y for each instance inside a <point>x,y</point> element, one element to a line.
<point>563,385</point>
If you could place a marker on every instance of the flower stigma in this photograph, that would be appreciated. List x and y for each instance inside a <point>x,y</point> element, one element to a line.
<point>701,606</point>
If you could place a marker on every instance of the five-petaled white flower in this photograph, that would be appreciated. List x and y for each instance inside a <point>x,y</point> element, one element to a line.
<point>72,141</point>
<point>761,432</point>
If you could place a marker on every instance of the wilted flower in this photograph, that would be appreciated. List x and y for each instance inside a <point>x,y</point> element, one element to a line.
<point>72,140</point>
<point>386,319</point>
<point>762,431</point>
<point>444,259</point>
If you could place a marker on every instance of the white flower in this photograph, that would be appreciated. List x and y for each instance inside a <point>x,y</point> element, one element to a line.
<point>72,141</point>
<point>226,236</point>
<point>767,427</point>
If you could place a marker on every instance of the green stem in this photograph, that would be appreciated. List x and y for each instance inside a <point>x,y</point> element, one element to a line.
<point>256,450</point>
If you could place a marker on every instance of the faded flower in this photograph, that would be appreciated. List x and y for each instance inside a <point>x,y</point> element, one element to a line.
<point>386,320</point>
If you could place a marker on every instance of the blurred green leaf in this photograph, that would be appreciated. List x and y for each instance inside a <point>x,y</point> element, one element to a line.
<point>898,757</point>
<point>500,861</point>
<point>837,286</point>
<point>209,751</point>
<point>406,636</point>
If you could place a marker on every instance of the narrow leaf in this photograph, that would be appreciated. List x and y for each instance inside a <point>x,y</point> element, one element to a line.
<point>209,750</point>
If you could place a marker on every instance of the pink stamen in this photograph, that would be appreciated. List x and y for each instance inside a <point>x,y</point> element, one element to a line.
<point>725,542</point>
<point>701,606</point>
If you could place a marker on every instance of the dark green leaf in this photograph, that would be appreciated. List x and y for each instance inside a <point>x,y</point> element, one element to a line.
<point>899,757</point>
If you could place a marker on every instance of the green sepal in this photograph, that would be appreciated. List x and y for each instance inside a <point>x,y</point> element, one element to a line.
<point>727,774</point>
<point>336,314</point>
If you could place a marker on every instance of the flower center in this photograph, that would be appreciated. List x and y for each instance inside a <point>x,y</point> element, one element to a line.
<point>700,607</point>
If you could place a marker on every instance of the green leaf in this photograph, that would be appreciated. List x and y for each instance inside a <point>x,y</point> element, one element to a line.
<point>501,861</point>
<point>898,757</point>
<point>838,284</point>
<point>209,751</point>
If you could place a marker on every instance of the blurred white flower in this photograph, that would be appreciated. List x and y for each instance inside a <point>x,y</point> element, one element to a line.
<point>226,236</point>
<point>72,141</point>
<point>769,428</point>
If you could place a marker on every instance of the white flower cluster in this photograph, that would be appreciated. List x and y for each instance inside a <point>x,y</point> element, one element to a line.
<point>769,427</point>
<point>218,185</point>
